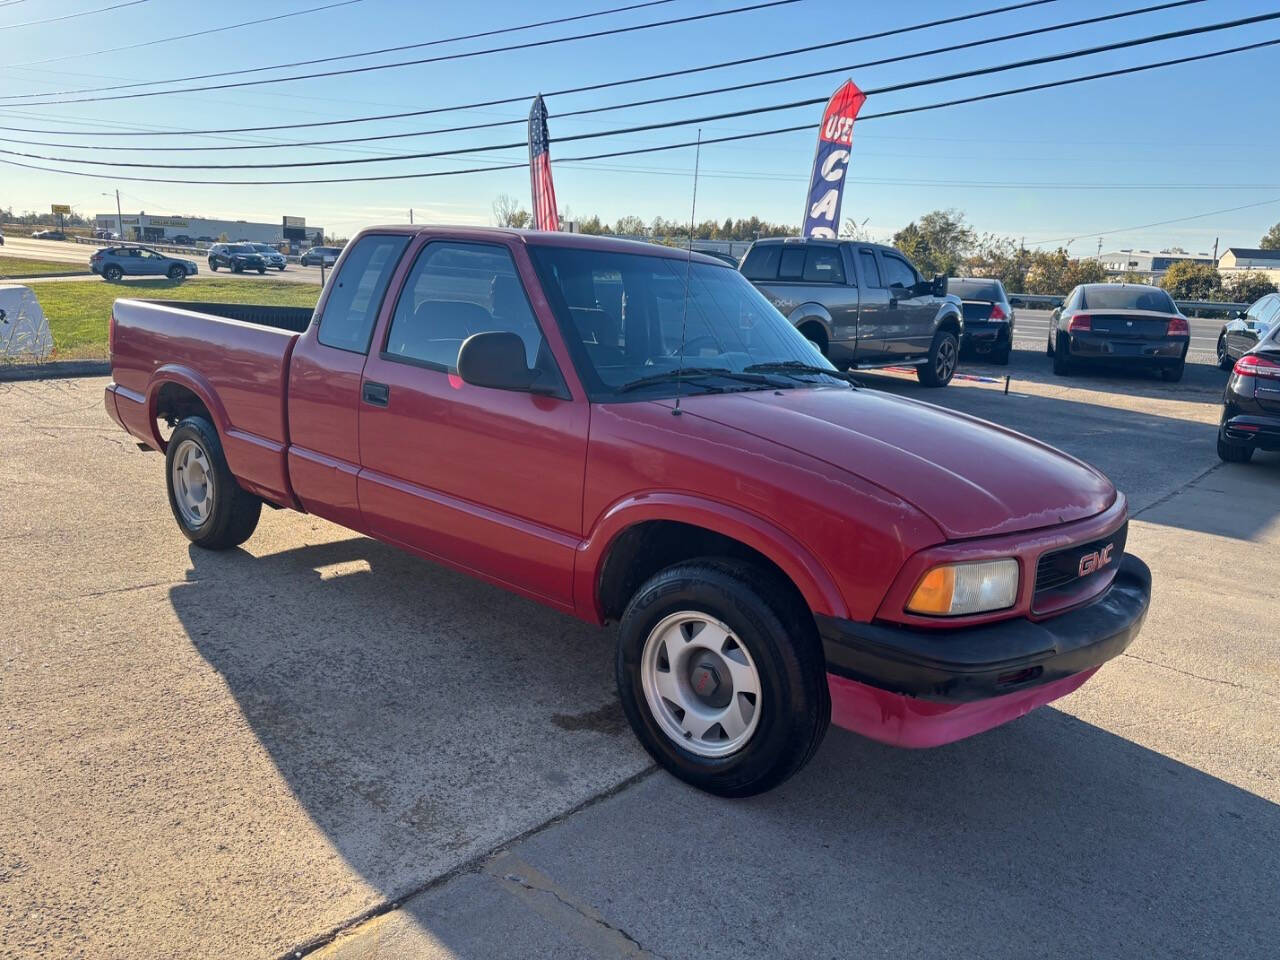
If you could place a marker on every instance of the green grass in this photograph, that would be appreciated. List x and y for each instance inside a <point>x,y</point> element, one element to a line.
<point>78,311</point>
<point>22,267</point>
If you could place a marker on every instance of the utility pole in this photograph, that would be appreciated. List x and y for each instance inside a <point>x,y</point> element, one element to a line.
<point>119,217</point>
<point>411,216</point>
<point>1215,250</point>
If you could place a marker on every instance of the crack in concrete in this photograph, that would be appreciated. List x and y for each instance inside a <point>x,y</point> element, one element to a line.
<point>1197,676</point>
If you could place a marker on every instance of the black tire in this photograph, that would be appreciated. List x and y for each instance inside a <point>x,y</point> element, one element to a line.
<point>944,357</point>
<point>177,273</point>
<point>1224,359</point>
<point>1234,452</point>
<point>781,639</point>
<point>112,272</point>
<point>237,268</point>
<point>1048,347</point>
<point>234,513</point>
<point>1001,357</point>
<point>281,268</point>
<point>1062,359</point>
<point>262,270</point>
<point>213,266</point>
<point>1172,374</point>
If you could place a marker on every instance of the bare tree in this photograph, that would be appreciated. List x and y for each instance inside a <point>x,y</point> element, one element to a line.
<point>507,212</point>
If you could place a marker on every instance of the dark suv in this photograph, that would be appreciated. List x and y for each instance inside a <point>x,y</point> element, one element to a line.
<point>862,305</point>
<point>236,257</point>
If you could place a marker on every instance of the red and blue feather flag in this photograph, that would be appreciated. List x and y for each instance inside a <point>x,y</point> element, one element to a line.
<point>545,216</point>
<point>831,162</point>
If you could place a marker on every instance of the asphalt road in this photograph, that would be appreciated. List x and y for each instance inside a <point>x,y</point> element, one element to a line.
<point>243,754</point>
<point>76,255</point>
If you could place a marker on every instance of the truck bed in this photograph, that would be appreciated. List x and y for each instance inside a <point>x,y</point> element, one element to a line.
<point>234,357</point>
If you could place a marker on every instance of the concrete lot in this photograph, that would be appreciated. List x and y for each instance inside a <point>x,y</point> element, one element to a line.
<point>247,754</point>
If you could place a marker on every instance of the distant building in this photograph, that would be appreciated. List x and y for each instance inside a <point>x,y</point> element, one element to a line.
<point>149,228</point>
<point>1151,265</point>
<point>1239,259</point>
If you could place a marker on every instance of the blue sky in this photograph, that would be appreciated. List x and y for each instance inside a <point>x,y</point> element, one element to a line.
<point>1050,165</point>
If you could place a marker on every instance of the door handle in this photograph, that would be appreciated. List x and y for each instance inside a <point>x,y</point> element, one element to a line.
<point>378,394</point>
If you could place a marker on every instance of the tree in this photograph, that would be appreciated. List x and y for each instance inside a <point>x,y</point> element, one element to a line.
<point>507,212</point>
<point>1187,280</point>
<point>630,226</point>
<point>1272,239</point>
<point>938,243</point>
<point>1000,258</point>
<point>1056,273</point>
<point>1247,286</point>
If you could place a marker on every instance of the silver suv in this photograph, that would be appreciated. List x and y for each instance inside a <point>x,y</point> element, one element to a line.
<point>863,305</point>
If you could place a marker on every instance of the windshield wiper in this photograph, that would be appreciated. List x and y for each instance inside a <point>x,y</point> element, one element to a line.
<point>691,373</point>
<point>799,366</point>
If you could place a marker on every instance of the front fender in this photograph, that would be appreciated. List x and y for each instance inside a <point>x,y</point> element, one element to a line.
<point>791,556</point>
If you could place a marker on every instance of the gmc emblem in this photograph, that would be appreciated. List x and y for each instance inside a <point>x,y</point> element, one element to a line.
<point>1093,562</point>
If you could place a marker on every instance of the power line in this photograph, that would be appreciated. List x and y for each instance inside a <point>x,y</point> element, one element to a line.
<point>666,124</point>
<point>806,127</point>
<point>72,16</point>
<point>896,31</point>
<point>1158,223</point>
<point>408,46</point>
<point>763,5</point>
<point>183,36</point>
<point>951,48</point>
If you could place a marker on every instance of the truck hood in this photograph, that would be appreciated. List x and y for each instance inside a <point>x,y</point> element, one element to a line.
<point>971,477</point>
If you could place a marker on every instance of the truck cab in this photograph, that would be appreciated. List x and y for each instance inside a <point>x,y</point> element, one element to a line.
<point>861,304</point>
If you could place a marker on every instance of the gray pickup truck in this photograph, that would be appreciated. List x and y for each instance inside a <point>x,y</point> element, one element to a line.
<point>863,305</point>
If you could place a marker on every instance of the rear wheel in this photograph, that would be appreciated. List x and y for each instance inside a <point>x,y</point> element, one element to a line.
<point>237,268</point>
<point>1224,358</point>
<point>211,508</point>
<point>721,676</point>
<point>1234,452</point>
<point>112,272</point>
<point>1001,357</point>
<point>1048,347</point>
<point>944,354</point>
<point>1172,374</point>
<point>1062,359</point>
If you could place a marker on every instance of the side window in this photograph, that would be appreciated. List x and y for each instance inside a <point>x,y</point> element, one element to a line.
<point>898,271</point>
<point>791,266</point>
<point>352,307</point>
<point>822,265</point>
<point>455,290</point>
<point>1270,310</point>
<point>762,262</point>
<point>870,270</point>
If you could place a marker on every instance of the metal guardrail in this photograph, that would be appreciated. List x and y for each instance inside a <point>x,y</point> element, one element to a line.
<point>1186,306</point>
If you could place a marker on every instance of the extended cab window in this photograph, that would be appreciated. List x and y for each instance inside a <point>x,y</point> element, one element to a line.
<point>822,265</point>
<point>455,290</point>
<point>870,270</point>
<point>762,262</point>
<point>358,289</point>
<point>898,271</point>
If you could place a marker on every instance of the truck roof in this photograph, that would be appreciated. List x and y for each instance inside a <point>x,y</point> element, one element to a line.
<point>547,238</point>
<point>771,241</point>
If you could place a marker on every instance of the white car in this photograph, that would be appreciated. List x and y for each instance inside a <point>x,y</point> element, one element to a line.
<point>270,254</point>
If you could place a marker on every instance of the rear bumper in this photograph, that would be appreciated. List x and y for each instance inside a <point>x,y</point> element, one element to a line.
<point>985,336</point>
<point>1256,430</point>
<point>926,687</point>
<point>1107,347</point>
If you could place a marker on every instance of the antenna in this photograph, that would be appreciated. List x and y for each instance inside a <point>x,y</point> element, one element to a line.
<point>688,270</point>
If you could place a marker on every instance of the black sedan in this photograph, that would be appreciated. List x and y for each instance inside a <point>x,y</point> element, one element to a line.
<point>1251,403</point>
<point>1119,324</point>
<point>236,257</point>
<point>988,317</point>
<point>1242,332</point>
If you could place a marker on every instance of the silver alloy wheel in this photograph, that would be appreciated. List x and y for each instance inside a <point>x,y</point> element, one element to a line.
<point>945,363</point>
<point>192,483</point>
<point>701,684</point>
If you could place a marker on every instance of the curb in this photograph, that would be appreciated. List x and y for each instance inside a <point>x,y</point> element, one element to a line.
<point>54,370</point>
<point>46,276</point>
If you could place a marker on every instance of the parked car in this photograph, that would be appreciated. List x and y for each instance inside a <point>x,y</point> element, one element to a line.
<point>116,262</point>
<point>1,238</point>
<point>205,240</point>
<point>236,257</point>
<point>789,551</point>
<point>1245,330</point>
<point>1119,324</point>
<point>182,240</point>
<point>1251,403</point>
<point>270,254</point>
<point>988,317</point>
<point>320,256</point>
<point>862,305</point>
<point>48,235</point>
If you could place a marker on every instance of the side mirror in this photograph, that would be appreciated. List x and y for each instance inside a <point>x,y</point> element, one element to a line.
<point>495,359</point>
<point>939,285</point>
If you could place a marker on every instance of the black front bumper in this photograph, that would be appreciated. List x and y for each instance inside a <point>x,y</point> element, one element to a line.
<point>975,663</point>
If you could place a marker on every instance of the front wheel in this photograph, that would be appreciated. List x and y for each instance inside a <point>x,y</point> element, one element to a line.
<point>213,266</point>
<point>177,273</point>
<point>262,270</point>
<point>721,675</point>
<point>944,354</point>
<point>211,508</point>
<point>1224,358</point>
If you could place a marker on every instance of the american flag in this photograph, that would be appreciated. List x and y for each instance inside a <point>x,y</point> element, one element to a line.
<point>544,193</point>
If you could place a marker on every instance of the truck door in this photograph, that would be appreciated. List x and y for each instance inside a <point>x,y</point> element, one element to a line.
<point>874,315</point>
<point>324,380</point>
<point>486,480</point>
<point>910,328</point>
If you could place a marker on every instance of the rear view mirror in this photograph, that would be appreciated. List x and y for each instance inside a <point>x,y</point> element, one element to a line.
<point>939,285</point>
<point>495,359</point>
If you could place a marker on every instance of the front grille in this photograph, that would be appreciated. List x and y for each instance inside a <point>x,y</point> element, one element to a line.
<point>1057,571</point>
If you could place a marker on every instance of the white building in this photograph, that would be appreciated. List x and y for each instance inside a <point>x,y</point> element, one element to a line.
<point>152,228</point>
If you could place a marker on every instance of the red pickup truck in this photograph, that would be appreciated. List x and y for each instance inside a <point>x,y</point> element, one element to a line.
<point>631,433</point>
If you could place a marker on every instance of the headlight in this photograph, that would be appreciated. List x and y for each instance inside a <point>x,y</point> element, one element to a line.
<point>953,589</point>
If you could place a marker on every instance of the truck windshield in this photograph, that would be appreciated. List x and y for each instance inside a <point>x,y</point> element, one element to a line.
<point>623,314</point>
